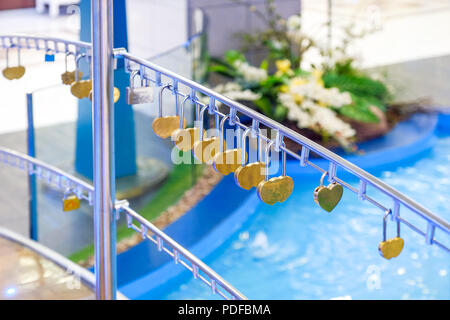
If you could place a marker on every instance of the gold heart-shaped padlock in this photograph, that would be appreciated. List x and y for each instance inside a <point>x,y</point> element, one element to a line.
<point>228,161</point>
<point>165,126</point>
<point>9,73</point>
<point>81,89</point>
<point>116,95</point>
<point>276,189</point>
<point>391,248</point>
<point>206,149</point>
<point>249,176</point>
<point>18,72</point>
<point>76,89</point>
<point>184,139</point>
<point>68,77</point>
<point>328,197</point>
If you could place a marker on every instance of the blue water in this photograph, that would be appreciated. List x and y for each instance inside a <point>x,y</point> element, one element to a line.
<point>295,250</point>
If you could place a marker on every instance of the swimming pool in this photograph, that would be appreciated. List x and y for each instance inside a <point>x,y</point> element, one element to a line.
<point>294,250</point>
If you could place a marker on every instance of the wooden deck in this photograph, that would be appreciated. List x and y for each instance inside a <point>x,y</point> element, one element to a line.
<point>24,274</point>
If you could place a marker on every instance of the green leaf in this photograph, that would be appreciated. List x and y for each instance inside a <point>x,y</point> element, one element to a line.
<point>223,70</point>
<point>232,56</point>
<point>280,113</point>
<point>265,106</point>
<point>361,86</point>
<point>376,102</point>
<point>359,110</point>
<point>264,64</point>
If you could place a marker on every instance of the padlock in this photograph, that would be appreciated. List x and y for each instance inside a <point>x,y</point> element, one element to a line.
<point>49,56</point>
<point>70,201</point>
<point>250,175</point>
<point>390,248</point>
<point>138,95</point>
<point>328,197</point>
<point>206,148</point>
<point>12,73</point>
<point>80,88</point>
<point>276,189</point>
<point>228,160</point>
<point>68,77</point>
<point>182,138</point>
<point>165,126</point>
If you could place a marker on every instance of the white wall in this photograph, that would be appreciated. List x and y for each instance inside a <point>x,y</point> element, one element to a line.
<point>155,26</point>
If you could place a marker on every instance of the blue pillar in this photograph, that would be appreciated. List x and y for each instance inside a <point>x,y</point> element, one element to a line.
<point>125,142</point>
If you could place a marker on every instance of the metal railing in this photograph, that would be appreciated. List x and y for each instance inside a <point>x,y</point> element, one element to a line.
<point>68,183</point>
<point>56,45</point>
<point>147,69</point>
<point>179,254</point>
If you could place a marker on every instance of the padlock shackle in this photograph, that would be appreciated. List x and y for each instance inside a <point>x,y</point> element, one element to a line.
<point>7,55</point>
<point>244,144</point>
<point>77,65</point>
<point>200,120</point>
<point>188,97</point>
<point>18,56</point>
<point>323,177</point>
<point>69,53</point>
<point>221,132</point>
<point>161,89</point>
<point>389,212</point>
<point>267,160</point>
<point>221,128</point>
<point>133,75</point>
<point>283,159</point>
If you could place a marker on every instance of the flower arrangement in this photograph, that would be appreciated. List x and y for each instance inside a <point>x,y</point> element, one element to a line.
<point>330,98</point>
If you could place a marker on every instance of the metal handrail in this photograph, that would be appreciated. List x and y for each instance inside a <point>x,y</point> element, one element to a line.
<point>177,250</point>
<point>85,191</point>
<point>308,145</point>
<point>24,41</point>
<point>51,174</point>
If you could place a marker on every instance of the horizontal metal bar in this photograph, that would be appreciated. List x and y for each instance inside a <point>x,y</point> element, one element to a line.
<point>194,268</point>
<point>32,42</point>
<point>296,137</point>
<point>40,164</point>
<point>188,255</point>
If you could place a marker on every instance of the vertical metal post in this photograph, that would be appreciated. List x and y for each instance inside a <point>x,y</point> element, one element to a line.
<point>32,202</point>
<point>103,133</point>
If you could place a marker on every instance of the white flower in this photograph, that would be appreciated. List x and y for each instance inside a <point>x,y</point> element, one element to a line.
<point>313,90</point>
<point>233,91</point>
<point>294,22</point>
<point>250,73</point>
<point>309,114</point>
